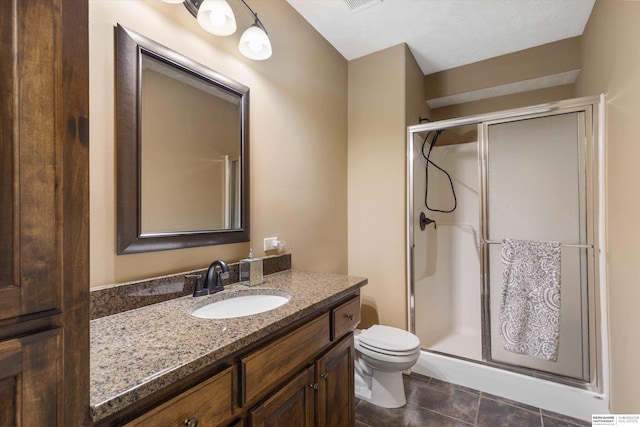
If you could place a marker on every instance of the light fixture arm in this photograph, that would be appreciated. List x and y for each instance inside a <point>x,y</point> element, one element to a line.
<point>193,6</point>
<point>257,22</point>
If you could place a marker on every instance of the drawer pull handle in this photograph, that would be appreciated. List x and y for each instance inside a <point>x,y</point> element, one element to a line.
<point>349,316</point>
<point>191,422</point>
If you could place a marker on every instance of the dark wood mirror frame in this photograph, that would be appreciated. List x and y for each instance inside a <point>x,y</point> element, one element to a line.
<point>130,46</point>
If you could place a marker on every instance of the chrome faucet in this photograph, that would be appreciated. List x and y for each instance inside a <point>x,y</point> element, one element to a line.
<point>213,280</point>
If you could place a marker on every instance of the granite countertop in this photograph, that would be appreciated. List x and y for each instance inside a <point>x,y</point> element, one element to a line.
<point>138,352</point>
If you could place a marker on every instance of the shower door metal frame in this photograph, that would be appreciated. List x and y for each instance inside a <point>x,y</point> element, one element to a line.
<point>590,227</point>
<point>593,108</point>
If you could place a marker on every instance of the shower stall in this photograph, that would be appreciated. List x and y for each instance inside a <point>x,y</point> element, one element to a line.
<point>532,173</point>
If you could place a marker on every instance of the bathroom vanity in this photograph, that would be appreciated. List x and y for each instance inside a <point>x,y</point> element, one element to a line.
<point>159,365</point>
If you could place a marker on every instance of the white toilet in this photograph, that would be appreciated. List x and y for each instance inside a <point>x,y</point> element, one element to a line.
<point>382,353</point>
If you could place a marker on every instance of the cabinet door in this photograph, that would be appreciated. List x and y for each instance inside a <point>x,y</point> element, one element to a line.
<point>29,177</point>
<point>29,380</point>
<point>336,394</point>
<point>292,406</point>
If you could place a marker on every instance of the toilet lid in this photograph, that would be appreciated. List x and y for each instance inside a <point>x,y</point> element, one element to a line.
<point>389,338</point>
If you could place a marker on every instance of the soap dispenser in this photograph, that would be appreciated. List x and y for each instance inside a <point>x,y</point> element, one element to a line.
<point>251,270</point>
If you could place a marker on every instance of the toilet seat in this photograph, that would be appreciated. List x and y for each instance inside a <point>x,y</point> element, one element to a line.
<point>387,352</point>
<point>389,340</point>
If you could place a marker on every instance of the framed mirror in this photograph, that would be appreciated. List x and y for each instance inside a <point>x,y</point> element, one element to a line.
<point>182,150</point>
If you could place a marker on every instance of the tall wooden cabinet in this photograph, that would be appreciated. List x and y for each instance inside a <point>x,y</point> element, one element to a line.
<point>44,226</point>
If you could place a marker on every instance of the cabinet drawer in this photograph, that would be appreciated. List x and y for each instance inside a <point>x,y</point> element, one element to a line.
<point>210,402</point>
<point>264,369</point>
<point>345,318</point>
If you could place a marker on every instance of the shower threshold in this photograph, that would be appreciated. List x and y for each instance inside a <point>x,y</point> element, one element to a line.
<point>553,396</point>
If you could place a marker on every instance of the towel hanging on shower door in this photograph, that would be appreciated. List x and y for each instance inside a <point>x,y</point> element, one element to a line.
<point>530,305</point>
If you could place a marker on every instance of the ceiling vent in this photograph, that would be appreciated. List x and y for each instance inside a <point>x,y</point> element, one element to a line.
<point>358,5</point>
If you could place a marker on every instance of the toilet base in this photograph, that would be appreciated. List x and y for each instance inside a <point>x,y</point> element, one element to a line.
<point>387,389</point>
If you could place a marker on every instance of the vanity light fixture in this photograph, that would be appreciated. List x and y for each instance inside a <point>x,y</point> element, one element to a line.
<point>216,17</point>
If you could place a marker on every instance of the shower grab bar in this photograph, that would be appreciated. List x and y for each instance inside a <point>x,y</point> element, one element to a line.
<point>493,242</point>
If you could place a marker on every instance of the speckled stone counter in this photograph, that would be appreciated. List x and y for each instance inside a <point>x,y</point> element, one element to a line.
<point>113,299</point>
<point>138,352</point>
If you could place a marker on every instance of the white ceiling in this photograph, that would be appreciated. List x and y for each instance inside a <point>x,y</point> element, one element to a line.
<point>443,34</point>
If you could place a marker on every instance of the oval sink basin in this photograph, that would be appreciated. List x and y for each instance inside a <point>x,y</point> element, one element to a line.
<point>239,306</point>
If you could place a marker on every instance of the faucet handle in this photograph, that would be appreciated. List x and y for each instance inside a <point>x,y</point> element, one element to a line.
<point>194,280</point>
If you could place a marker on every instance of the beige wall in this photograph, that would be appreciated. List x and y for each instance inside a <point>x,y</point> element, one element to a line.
<point>611,65</point>
<point>298,136</point>
<point>539,61</point>
<point>385,95</point>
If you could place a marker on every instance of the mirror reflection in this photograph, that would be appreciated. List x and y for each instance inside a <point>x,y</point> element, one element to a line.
<point>189,172</point>
<point>182,150</point>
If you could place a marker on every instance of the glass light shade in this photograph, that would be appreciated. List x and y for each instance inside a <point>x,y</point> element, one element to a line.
<point>216,17</point>
<point>255,43</point>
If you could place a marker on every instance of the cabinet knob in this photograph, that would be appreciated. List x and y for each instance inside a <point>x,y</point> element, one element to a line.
<point>349,316</point>
<point>325,375</point>
<point>314,386</point>
<point>191,422</point>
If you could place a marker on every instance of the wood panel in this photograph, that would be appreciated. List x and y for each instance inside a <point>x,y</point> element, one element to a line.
<point>210,403</point>
<point>9,292</point>
<point>336,393</point>
<point>30,375</point>
<point>293,405</point>
<point>8,401</point>
<point>73,227</point>
<point>35,119</point>
<point>6,151</point>
<point>271,365</point>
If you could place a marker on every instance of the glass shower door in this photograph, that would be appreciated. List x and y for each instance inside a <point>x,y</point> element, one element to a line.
<point>535,182</point>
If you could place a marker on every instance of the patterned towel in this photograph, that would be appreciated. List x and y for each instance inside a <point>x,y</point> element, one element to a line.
<point>530,306</point>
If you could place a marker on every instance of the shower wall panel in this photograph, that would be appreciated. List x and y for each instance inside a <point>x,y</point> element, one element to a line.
<point>447,267</point>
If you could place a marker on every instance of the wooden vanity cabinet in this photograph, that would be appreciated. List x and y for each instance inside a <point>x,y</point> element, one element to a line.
<point>303,378</point>
<point>321,395</point>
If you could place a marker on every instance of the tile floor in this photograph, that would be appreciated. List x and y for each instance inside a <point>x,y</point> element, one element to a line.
<point>432,402</point>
